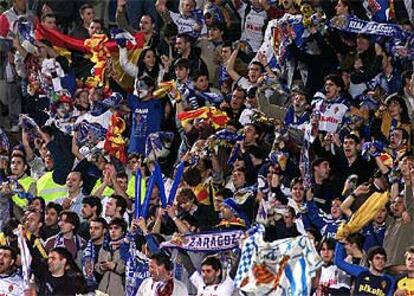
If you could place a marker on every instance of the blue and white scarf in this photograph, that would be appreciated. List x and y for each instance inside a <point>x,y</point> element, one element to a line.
<point>352,24</point>
<point>136,267</point>
<point>207,241</point>
<point>88,261</point>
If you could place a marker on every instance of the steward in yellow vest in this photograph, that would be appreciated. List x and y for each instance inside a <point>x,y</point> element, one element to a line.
<point>18,167</point>
<point>49,189</point>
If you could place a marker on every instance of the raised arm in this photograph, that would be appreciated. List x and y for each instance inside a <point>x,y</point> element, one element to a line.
<point>340,254</point>
<point>230,65</point>
<point>121,19</point>
<point>130,68</point>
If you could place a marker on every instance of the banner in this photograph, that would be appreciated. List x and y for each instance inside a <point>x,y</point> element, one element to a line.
<point>352,24</point>
<point>282,267</point>
<point>207,241</point>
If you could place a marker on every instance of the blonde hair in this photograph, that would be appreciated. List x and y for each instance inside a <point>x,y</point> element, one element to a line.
<point>180,7</point>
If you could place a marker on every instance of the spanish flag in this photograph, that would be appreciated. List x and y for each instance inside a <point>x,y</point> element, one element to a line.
<point>64,43</point>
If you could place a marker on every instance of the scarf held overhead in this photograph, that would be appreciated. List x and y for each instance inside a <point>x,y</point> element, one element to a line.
<point>207,241</point>
<point>363,215</point>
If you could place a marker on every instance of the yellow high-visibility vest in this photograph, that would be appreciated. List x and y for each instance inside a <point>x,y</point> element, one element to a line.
<point>49,189</point>
<point>25,182</point>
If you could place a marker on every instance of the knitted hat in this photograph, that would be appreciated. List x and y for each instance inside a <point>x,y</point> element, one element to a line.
<point>231,204</point>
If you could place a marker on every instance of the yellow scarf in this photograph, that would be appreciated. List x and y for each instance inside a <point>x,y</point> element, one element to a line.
<point>363,215</point>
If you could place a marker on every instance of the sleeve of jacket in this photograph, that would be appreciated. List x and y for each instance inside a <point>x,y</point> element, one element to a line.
<point>313,215</point>
<point>352,269</point>
<point>122,21</point>
<point>371,72</point>
<point>119,267</point>
<point>62,155</point>
<point>300,54</point>
<point>203,67</point>
<point>152,244</point>
<point>126,65</point>
<point>327,51</point>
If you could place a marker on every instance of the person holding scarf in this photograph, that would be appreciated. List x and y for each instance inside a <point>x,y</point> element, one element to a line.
<point>161,282</point>
<point>99,239</point>
<point>189,20</point>
<point>147,114</point>
<point>67,237</point>
<point>137,247</point>
<point>110,264</point>
<point>18,168</point>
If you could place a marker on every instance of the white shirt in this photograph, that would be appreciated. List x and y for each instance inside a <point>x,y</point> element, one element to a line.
<point>331,116</point>
<point>102,119</point>
<point>334,278</point>
<point>76,205</point>
<point>224,288</point>
<point>104,201</point>
<point>253,28</point>
<point>11,285</point>
<point>149,288</point>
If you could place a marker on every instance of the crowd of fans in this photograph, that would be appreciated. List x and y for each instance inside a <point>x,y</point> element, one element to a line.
<point>129,124</point>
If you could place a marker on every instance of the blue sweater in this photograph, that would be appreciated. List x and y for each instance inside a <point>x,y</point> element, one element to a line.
<point>365,282</point>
